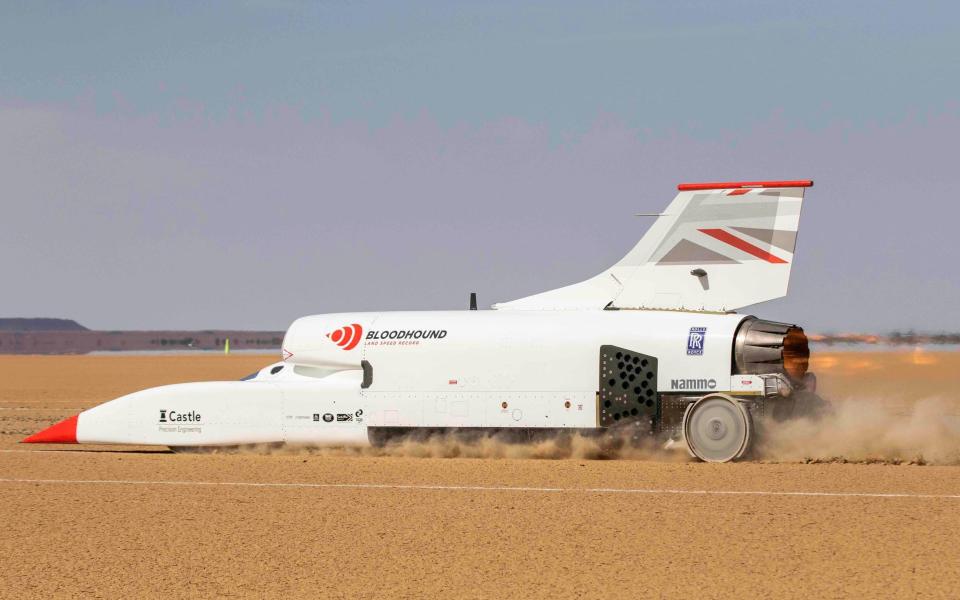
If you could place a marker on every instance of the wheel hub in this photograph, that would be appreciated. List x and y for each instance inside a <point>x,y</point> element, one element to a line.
<point>716,429</point>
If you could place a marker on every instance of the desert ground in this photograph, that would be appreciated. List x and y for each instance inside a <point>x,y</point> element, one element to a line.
<point>865,505</point>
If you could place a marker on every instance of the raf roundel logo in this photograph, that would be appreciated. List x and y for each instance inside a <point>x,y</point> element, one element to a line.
<point>695,341</point>
<point>347,337</point>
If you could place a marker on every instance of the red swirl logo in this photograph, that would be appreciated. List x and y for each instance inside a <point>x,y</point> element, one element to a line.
<point>347,337</point>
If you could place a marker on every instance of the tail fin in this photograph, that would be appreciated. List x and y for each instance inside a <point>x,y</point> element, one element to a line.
<point>718,247</point>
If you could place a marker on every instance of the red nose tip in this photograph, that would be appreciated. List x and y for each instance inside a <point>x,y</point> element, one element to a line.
<point>64,432</point>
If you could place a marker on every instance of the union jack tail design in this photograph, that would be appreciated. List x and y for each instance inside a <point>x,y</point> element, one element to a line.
<point>717,247</point>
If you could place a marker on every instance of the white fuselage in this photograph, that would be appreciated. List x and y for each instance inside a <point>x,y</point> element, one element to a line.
<point>457,369</point>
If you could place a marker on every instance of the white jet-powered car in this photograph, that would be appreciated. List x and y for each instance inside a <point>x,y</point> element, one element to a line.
<point>650,346</point>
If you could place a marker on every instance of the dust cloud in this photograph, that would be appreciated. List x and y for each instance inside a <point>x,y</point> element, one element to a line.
<point>868,430</point>
<point>857,430</point>
<point>451,445</point>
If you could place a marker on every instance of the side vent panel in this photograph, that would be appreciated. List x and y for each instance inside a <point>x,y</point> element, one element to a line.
<point>628,389</point>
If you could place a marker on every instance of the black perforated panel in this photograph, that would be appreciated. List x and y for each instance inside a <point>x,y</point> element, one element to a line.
<point>628,388</point>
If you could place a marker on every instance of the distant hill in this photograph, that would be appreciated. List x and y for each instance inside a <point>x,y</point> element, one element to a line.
<point>15,338</point>
<point>40,324</point>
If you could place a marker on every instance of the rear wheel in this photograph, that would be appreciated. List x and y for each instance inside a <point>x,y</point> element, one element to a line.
<point>717,428</point>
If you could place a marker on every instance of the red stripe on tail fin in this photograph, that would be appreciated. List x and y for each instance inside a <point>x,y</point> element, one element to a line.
<point>744,245</point>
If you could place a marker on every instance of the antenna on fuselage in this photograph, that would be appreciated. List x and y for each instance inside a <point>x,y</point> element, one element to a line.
<point>473,301</point>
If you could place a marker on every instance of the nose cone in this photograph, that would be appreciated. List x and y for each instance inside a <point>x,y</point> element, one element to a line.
<point>64,432</point>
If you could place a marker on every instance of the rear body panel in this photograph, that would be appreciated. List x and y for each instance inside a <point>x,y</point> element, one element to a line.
<point>509,369</point>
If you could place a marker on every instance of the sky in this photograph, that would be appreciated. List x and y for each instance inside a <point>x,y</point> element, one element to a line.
<point>237,165</point>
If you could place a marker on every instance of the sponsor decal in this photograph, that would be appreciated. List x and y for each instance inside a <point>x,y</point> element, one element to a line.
<point>359,415</point>
<point>347,337</point>
<point>403,337</point>
<point>695,341</point>
<point>327,418</point>
<point>405,334</point>
<point>316,416</point>
<point>693,384</point>
<point>344,417</point>
<point>173,416</point>
<point>173,421</point>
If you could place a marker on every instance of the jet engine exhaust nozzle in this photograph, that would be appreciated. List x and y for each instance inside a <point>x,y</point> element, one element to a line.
<point>770,347</point>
